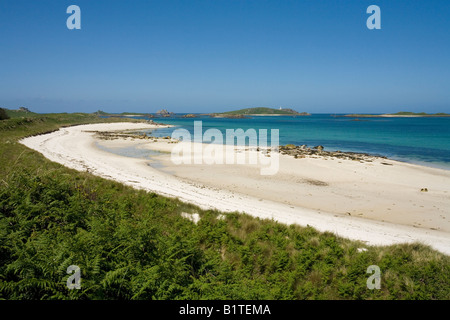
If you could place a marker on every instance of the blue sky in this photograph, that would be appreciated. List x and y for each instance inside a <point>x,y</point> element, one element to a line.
<point>219,55</point>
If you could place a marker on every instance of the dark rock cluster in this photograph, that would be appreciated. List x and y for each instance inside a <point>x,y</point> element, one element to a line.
<point>303,151</point>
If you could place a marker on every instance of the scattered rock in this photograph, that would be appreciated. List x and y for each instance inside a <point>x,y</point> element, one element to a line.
<point>319,148</point>
<point>107,135</point>
<point>316,182</point>
<point>424,190</point>
<point>302,151</point>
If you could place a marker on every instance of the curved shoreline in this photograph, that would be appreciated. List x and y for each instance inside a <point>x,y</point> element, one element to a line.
<point>75,148</point>
<point>305,150</point>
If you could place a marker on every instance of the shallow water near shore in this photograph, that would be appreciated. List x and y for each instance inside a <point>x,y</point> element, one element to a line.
<point>135,152</point>
<point>424,141</point>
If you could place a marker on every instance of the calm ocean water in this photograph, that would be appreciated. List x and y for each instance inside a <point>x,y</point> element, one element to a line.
<point>424,141</point>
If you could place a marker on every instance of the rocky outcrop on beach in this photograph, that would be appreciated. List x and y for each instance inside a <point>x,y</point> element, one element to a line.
<point>110,135</point>
<point>296,151</point>
<point>114,135</point>
<point>304,151</point>
<point>190,115</point>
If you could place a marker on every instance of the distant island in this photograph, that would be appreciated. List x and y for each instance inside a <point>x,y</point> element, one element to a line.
<point>243,113</point>
<point>160,113</point>
<point>237,114</point>
<point>398,115</point>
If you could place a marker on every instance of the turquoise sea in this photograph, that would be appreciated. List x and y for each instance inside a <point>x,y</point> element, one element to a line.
<point>418,140</point>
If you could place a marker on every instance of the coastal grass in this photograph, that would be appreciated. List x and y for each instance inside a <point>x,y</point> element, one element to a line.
<point>132,244</point>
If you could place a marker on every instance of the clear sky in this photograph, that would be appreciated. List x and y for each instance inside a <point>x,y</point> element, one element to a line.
<point>219,55</point>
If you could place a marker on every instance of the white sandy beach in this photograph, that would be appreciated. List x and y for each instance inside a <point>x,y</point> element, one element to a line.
<point>372,202</point>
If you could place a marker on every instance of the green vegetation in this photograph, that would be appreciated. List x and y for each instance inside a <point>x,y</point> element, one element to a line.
<point>267,111</point>
<point>3,114</point>
<point>101,113</point>
<point>131,244</point>
<point>20,113</point>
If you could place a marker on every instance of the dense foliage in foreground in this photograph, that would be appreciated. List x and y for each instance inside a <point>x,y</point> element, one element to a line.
<point>3,114</point>
<point>132,244</point>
